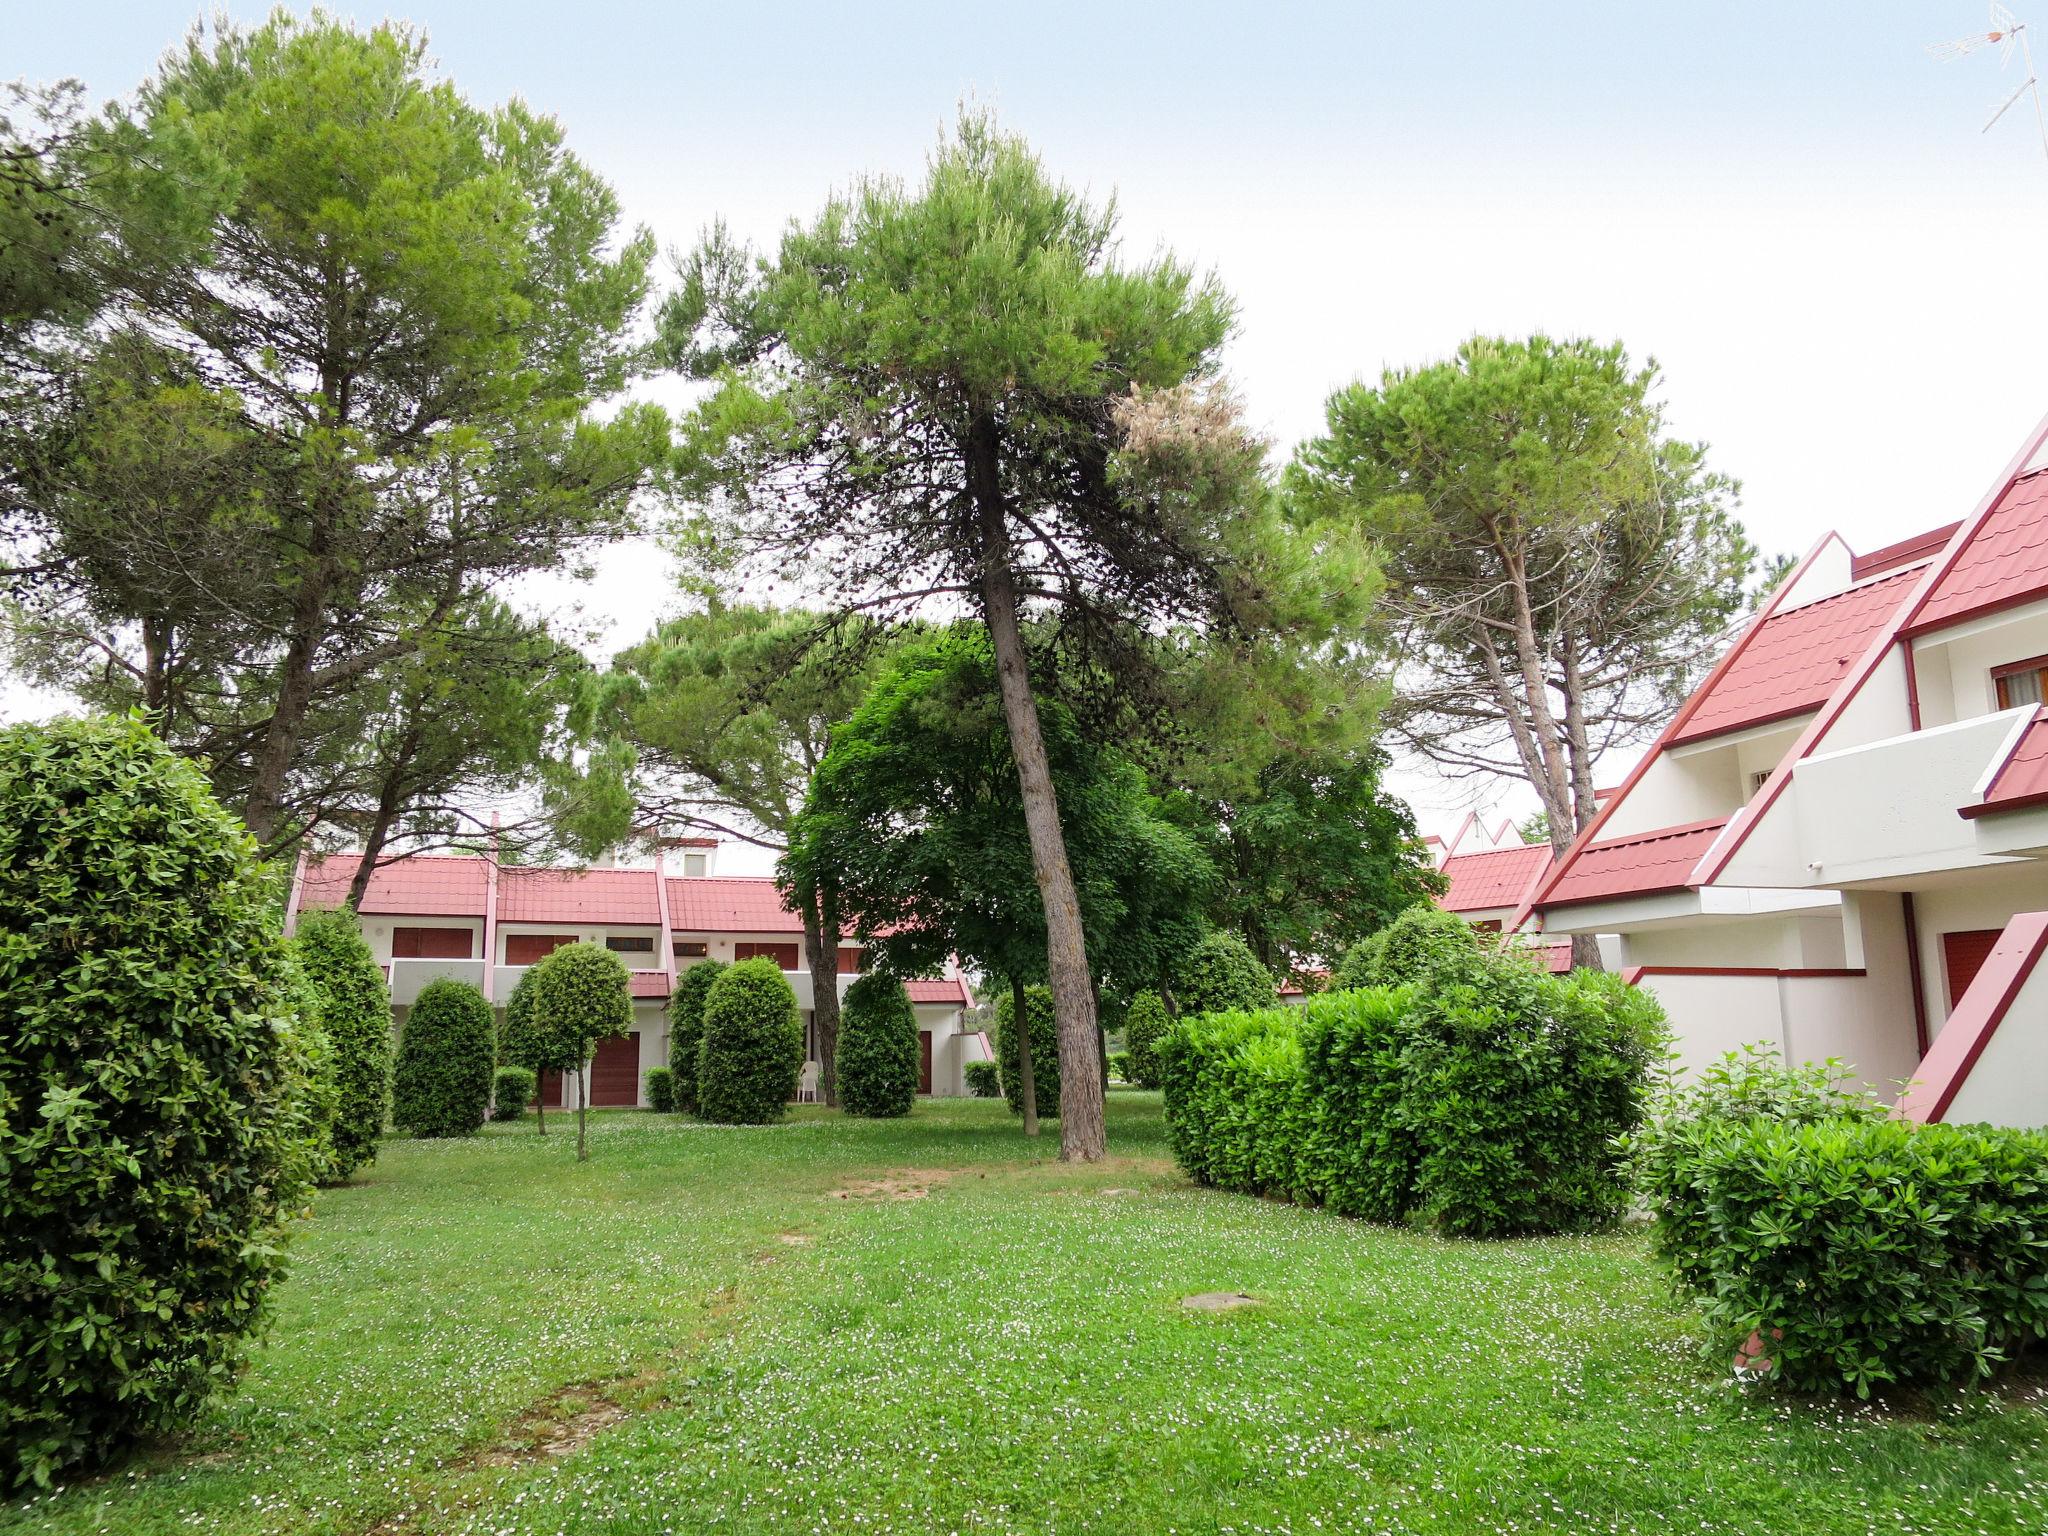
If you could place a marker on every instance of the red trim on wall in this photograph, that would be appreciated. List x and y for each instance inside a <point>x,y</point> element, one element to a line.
<point>1915,977</point>
<point>1900,626</point>
<point>1677,723</point>
<point>1947,1064</point>
<point>1636,973</point>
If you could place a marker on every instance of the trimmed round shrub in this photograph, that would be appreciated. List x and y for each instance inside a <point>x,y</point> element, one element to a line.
<point>661,1090</point>
<point>1045,1051</point>
<point>686,1028</point>
<point>442,1084</point>
<point>753,1050</point>
<point>1423,944</point>
<point>355,1015</point>
<point>1120,1066</point>
<point>983,1080</point>
<point>1221,975</point>
<point>511,1091</point>
<point>878,1053</point>
<point>154,1131</point>
<point>581,994</point>
<point>1144,1023</point>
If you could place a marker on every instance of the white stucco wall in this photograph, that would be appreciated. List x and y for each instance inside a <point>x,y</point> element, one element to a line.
<point>1953,666</point>
<point>1986,899</point>
<point>2009,1083</point>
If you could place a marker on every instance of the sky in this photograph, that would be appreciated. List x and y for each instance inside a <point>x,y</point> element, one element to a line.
<point>1791,207</point>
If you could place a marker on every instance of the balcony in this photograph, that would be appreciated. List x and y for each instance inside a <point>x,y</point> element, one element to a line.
<point>505,977</point>
<point>408,977</point>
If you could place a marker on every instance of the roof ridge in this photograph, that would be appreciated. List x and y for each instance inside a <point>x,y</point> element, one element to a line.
<point>1855,589</point>
<point>1680,829</point>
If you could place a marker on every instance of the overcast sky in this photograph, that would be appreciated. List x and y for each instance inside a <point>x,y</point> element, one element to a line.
<point>1790,207</point>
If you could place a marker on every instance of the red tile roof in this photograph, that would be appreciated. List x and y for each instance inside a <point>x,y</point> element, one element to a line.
<point>1557,956</point>
<point>647,983</point>
<point>729,904</point>
<point>623,896</point>
<point>1794,661</point>
<point>2005,562</point>
<point>950,989</point>
<point>1499,878</point>
<point>417,885</point>
<point>1917,550</point>
<point>1640,865</point>
<point>2022,779</point>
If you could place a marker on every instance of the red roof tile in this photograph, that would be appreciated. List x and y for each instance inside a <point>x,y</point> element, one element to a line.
<point>1499,878</point>
<point>1556,955</point>
<point>624,896</point>
<point>2005,562</point>
<point>1794,661</point>
<point>950,989</point>
<point>647,983</point>
<point>416,885</point>
<point>729,904</point>
<point>1642,865</point>
<point>2022,779</point>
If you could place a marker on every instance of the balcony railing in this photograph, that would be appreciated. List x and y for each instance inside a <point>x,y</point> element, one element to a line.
<point>408,977</point>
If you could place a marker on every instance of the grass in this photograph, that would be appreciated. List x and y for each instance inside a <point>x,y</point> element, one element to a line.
<point>708,1330</point>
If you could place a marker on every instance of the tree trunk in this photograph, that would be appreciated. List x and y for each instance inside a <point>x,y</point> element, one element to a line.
<point>265,803</point>
<point>1101,1038</point>
<point>821,952</point>
<point>1027,1090</point>
<point>540,1100</point>
<point>1535,688</point>
<point>582,1111</point>
<point>389,797</point>
<point>1585,946</point>
<point>1066,949</point>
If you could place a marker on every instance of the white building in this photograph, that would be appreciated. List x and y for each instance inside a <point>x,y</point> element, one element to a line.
<point>428,916</point>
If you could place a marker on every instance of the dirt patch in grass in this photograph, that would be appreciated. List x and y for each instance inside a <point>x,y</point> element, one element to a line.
<point>903,1184</point>
<point>566,1420</point>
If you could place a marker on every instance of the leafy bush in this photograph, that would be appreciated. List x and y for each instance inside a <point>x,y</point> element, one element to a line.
<point>1220,974</point>
<point>1144,1024</point>
<point>661,1090</point>
<point>154,1129</point>
<point>983,1080</point>
<point>1419,945</point>
<point>753,1049</point>
<point>686,1028</point>
<point>511,1091</point>
<point>878,1048</point>
<point>355,1015</point>
<point>319,1098</point>
<point>523,1042</point>
<point>442,1083</point>
<point>1120,1066</point>
<point>1485,1105</point>
<point>1045,1051</point>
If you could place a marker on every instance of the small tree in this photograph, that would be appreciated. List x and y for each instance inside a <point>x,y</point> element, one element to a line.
<point>878,1048</point>
<point>1220,974</point>
<point>1040,1069</point>
<point>526,1044</point>
<point>581,995</point>
<point>511,1088</point>
<point>1144,1024</point>
<point>442,1085</point>
<point>686,1028</point>
<point>153,1135</point>
<point>355,1015</point>
<point>753,1050</point>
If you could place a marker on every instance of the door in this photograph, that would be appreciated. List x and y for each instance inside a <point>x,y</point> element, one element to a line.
<point>1963,954</point>
<point>526,948</point>
<point>615,1073</point>
<point>549,1094</point>
<point>431,943</point>
<point>783,955</point>
<point>924,1061</point>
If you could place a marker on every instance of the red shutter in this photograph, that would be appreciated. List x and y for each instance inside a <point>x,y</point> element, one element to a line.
<point>431,943</point>
<point>924,1061</point>
<point>615,1072</point>
<point>852,961</point>
<point>526,948</point>
<point>783,955</point>
<point>1963,954</point>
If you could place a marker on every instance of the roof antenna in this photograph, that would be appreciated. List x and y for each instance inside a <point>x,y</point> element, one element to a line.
<point>2007,30</point>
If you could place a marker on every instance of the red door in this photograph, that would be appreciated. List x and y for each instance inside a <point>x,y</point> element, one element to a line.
<point>431,943</point>
<point>783,955</point>
<point>1963,955</point>
<point>526,948</point>
<point>615,1072</point>
<point>549,1094</point>
<point>924,1061</point>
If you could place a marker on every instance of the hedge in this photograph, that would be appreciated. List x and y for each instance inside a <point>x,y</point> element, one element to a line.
<point>446,1053</point>
<point>1483,1104</point>
<point>155,1129</point>
<point>1417,945</point>
<point>1045,1051</point>
<point>661,1090</point>
<point>983,1080</point>
<point>878,1052</point>
<point>1144,1024</point>
<point>753,1049</point>
<point>686,1028</point>
<point>355,1015</point>
<point>511,1091</point>
<point>1221,974</point>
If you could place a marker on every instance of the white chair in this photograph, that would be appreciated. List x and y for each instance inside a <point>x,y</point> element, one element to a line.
<point>807,1085</point>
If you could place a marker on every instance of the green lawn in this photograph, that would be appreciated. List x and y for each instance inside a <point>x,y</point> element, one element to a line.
<point>785,1344</point>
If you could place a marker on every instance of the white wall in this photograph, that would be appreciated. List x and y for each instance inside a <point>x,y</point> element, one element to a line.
<point>1953,666</point>
<point>2009,1083</point>
<point>1806,1018</point>
<point>1988,899</point>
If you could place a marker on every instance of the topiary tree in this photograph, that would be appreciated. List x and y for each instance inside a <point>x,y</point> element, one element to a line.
<point>661,1090</point>
<point>446,1053</point>
<point>355,1015</point>
<point>753,1049</point>
<point>984,1081</point>
<point>1144,1024</point>
<point>1422,944</point>
<point>154,1134</point>
<point>1220,975</point>
<point>686,1028</point>
<point>581,995</point>
<point>1045,1058</point>
<point>523,1043</point>
<point>511,1089</point>
<point>878,1048</point>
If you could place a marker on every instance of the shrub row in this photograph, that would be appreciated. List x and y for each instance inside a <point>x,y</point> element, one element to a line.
<point>1836,1248</point>
<point>1483,1099</point>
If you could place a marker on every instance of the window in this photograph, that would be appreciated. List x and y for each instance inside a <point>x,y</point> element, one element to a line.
<point>696,863</point>
<point>852,961</point>
<point>630,944</point>
<point>431,943</point>
<point>2021,682</point>
<point>783,955</point>
<point>527,948</point>
<point>692,949</point>
<point>1758,780</point>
